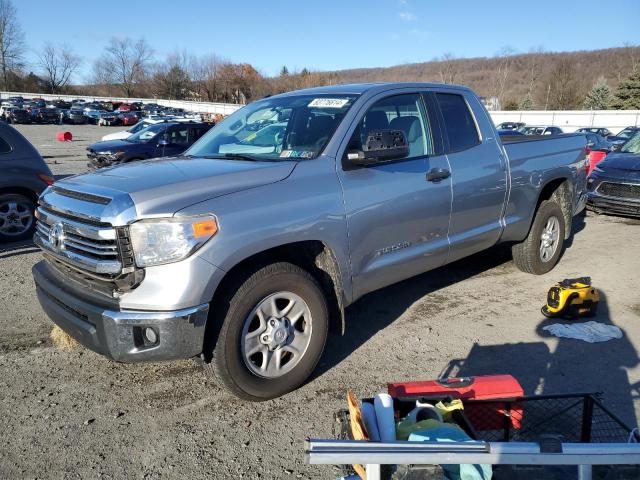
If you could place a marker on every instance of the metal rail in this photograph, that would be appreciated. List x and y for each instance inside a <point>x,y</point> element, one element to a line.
<point>374,454</point>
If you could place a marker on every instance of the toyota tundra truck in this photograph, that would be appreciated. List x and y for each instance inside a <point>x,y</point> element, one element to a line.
<point>245,249</point>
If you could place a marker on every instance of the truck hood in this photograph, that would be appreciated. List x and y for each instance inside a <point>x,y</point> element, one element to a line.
<point>163,186</point>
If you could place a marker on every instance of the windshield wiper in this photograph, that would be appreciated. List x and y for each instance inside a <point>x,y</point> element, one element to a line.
<point>232,156</point>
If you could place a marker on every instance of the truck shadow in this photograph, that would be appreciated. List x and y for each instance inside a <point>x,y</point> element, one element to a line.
<point>572,366</point>
<point>374,311</point>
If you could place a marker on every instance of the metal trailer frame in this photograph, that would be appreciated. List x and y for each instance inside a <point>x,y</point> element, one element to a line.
<point>375,454</point>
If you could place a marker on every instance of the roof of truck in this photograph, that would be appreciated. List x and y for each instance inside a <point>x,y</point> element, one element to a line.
<point>360,88</point>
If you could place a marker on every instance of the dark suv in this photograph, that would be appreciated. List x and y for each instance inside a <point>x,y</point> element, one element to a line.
<point>158,140</point>
<point>23,176</point>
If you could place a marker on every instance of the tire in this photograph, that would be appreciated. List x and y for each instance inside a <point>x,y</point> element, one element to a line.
<point>237,315</point>
<point>17,220</point>
<point>528,255</point>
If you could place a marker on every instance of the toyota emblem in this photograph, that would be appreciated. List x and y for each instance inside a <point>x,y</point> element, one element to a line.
<point>56,236</point>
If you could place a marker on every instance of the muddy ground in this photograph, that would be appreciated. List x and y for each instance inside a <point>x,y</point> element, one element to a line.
<point>77,415</point>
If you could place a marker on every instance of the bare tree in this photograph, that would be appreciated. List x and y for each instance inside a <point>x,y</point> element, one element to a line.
<point>448,68</point>
<point>11,40</point>
<point>58,64</point>
<point>504,58</point>
<point>563,89</point>
<point>125,63</point>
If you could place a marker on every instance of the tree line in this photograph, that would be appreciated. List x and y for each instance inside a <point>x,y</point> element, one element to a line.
<point>128,67</point>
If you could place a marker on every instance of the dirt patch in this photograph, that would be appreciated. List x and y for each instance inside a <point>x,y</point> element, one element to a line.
<point>62,340</point>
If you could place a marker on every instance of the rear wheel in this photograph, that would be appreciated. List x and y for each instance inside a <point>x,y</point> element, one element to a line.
<point>273,331</point>
<point>17,221</point>
<point>540,251</point>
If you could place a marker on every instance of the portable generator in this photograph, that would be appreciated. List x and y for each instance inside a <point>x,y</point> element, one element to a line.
<point>572,298</point>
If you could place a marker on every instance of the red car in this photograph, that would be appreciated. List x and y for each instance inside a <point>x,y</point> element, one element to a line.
<point>597,148</point>
<point>129,118</point>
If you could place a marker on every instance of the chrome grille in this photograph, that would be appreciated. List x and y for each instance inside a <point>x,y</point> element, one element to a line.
<point>73,241</point>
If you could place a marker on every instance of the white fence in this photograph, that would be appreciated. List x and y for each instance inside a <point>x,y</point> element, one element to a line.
<point>200,107</point>
<point>571,120</point>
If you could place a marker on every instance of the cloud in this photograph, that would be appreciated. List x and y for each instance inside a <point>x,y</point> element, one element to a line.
<point>407,16</point>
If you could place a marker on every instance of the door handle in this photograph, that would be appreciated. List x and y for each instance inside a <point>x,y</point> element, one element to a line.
<point>438,174</point>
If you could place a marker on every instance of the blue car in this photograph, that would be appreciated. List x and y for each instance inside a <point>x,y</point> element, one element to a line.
<point>159,140</point>
<point>614,184</point>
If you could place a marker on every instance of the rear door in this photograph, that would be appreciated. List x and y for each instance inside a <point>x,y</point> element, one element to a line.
<point>479,173</point>
<point>177,137</point>
<point>397,220</point>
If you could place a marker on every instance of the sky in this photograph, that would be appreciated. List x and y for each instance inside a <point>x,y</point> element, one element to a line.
<point>328,34</point>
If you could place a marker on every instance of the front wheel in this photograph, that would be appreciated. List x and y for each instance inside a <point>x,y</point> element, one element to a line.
<point>17,221</point>
<point>273,331</point>
<point>540,251</point>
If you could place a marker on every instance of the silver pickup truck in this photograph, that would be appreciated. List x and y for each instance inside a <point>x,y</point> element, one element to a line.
<point>247,248</point>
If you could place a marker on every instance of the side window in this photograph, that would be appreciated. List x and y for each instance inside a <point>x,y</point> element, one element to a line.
<point>178,136</point>
<point>196,133</point>
<point>459,124</point>
<point>4,146</point>
<point>400,112</point>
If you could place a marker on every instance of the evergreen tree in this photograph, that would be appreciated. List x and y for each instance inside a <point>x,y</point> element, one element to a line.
<point>526,103</point>
<point>627,96</point>
<point>284,72</point>
<point>305,72</point>
<point>599,98</point>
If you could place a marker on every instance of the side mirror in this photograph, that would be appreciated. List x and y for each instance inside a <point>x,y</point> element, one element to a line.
<point>163,143</point>
<point>380,146</point>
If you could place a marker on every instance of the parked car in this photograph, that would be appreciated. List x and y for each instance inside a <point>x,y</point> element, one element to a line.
<point>62,104</point>
<point>23,176</point>
<point>510,125</point>
<point>47,115</point>
<point>510,133</point>
<point>596,130</point>
<point>16,100</point>
<point>19,115</point>
<point>108,119</point>
<point>93,116</point>
<point>597,149</point>
<point>241,251</point>
<point>614,184</point>
<point>75,116</point>
<point>159,140</point>
<point>144,123</point>
<point>541,130</point>
<point>618,140</point>
<point>128,118</point>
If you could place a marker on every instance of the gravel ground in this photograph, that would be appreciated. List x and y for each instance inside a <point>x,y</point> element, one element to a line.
<point>77,415</point>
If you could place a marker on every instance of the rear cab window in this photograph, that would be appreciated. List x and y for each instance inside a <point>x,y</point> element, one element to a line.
<point>459,124</point>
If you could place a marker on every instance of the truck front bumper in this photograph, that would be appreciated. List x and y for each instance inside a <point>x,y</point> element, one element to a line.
<point>121,334</point>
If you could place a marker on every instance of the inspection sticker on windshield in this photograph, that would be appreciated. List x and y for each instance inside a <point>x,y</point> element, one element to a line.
<point>328,102</point>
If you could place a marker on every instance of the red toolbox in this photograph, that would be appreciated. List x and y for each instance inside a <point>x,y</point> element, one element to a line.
<point>476,394</point>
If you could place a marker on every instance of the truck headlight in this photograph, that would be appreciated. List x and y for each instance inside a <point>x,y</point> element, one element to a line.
<point>167,240</point>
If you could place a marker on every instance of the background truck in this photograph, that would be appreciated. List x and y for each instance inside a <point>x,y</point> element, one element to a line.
<point>247,248</point>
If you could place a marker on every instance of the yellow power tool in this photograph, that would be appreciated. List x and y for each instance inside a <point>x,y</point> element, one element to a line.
<point>572,298</point>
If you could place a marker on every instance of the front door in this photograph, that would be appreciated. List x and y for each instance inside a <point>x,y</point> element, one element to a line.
<point>397,220</point>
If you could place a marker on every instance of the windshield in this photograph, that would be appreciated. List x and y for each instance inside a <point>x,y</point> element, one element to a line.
<point>280,128</point>
<point>626,133</point>
<point>146,134</point>
<point>138,126</point>
<point>633,145</point>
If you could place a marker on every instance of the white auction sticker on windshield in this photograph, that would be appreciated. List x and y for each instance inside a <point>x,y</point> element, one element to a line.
<point>328,102</point>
